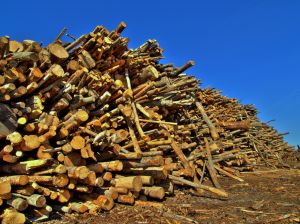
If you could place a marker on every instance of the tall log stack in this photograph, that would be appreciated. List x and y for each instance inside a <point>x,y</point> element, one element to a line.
<point>93,123</point>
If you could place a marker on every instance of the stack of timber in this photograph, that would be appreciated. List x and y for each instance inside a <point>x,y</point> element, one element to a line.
<point>91,123</point>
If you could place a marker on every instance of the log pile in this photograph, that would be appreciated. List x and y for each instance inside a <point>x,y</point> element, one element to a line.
<point>91,123</point>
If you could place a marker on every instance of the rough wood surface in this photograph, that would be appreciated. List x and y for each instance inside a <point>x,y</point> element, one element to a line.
<point>92,122</point>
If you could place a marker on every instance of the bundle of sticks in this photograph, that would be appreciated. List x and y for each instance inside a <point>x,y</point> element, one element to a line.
<point>90,123</point>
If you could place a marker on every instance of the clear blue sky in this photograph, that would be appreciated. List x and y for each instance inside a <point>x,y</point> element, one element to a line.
<point>249,49</point>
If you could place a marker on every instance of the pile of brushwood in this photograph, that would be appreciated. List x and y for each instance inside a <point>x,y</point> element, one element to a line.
<point>90,123</point>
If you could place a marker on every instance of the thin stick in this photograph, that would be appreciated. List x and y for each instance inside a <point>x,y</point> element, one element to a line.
<point>158,122</point>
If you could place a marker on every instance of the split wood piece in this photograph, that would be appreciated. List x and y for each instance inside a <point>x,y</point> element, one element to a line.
<point>212,128</point>
<point>217,191</point>
<point>133,183</point>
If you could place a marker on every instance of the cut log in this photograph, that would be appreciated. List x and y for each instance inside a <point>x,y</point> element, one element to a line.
<point>12,216</point>
<point>58,53</point>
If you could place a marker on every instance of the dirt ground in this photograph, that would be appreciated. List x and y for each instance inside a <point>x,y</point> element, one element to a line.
<point>264,197</point>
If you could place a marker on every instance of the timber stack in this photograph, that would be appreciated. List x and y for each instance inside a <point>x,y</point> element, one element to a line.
<point>91,123</point>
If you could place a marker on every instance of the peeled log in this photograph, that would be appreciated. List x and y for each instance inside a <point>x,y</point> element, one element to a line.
<point>134,183</point>
<point>154,192</point>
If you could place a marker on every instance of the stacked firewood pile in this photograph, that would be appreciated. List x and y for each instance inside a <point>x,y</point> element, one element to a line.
<point>90,123</point>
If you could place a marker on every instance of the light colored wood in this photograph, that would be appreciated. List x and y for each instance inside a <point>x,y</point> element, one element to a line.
<point>106,202</point>
<point>80,172</point>
<point>19,204</point>
<point>15,46</point>
<point>148,204</point>
<point>16,179</point>
<point>77,142</point>
<point>116,165</point>
<point>78,207</point>
<point>58,53</point>
<point>126,199</point>
<point>147,180</point>
<point>133,183</point>
<point>5,187</point>
<point>154,192</point>
<point>12,216</point>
